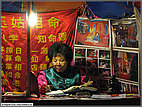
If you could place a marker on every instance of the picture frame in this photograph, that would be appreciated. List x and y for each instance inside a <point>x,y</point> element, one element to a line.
<point>93,33</point>
<point>125,33</point>
<point>126,65</point>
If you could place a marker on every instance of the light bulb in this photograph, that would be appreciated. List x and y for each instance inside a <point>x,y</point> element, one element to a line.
<point>32,19</point>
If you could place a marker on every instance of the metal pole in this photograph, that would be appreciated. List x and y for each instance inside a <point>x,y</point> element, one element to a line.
<point>28,91</point>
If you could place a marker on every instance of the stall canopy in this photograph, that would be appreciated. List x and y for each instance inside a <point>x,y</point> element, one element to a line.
<point>113,9</point>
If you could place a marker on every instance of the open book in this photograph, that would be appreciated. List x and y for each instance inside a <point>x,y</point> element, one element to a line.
<point>80,88</point>
<point>56,93</point>
<point>71,89</point>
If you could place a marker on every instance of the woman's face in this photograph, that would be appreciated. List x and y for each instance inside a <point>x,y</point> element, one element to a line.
<point>59,63</point>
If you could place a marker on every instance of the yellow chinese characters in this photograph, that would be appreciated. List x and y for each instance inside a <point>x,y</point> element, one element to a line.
<point>18,58</point>
<point>17,75</point>
<point>8,66</point>
<point>41,39</point>
<point>53,22</point>
<point>44,50</point>
<point>2,49</point>
<point>18,67</point>
<point>34,67</point>
<point>8,57</point>
<point>43,66</point>
<point>62,36</point>
<point>13,38</point>
<point>46,58</point>
<point>52,38</point>
<point>39,22</point>
<point>3,24</point>
<point>18,50</point>
<point>34,59</point>
<point>17,22</point>
<point>8,74</point>
<point>4,38</point>
<point>16,83</point>
<point>9,50</point>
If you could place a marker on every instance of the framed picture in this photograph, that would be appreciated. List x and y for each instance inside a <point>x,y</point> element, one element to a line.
<point>126,65</point>
<point>79,52</point>
<point>134,89</point>
<point>92,53</point>
<point>93,32</point>
<point>125,88</point>
<point>125,33</point>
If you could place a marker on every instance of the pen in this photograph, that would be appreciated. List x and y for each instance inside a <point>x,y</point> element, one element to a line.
<point>85,84</point>
<point>88,80</point>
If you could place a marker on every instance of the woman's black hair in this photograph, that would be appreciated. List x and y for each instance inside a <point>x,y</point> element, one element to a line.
<point>60,48</point>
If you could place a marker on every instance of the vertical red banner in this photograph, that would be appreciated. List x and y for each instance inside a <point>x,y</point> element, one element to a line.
<point>50,28</point>
<point>14,51</point>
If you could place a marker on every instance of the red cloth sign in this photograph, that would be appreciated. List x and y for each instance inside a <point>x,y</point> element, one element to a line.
<point>14,51</point>
<point>50,27</point>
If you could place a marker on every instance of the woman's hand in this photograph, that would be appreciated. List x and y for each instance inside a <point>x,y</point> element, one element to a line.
<point>89,83</point>
<point>45,88</point>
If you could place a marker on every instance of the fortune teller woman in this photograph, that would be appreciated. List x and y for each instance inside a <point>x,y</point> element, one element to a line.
<point>61,75</point>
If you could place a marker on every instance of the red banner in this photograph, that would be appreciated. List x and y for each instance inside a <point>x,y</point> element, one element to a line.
<point>92,32</point>
<point>14,51</point>
<point>50,27</point>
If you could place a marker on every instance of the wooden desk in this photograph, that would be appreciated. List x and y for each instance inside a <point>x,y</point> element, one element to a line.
<point>71,101</point>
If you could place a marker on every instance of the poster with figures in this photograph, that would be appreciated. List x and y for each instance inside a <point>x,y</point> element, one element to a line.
<point>92,32</point>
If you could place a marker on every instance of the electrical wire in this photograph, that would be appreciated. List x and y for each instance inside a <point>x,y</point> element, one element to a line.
<point>8,4</point>
<point>123,6</point>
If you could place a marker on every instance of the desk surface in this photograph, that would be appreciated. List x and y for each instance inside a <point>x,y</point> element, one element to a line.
<point>44,100</point>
